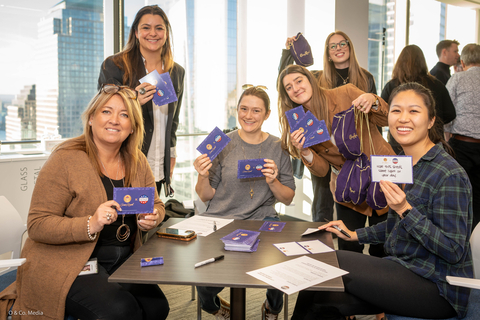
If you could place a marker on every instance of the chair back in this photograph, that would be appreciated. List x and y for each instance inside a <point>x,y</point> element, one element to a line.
<point>12,229</point>
<point>475,246</point>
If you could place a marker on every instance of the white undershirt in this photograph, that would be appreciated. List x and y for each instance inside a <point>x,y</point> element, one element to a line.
<point>156,152</point>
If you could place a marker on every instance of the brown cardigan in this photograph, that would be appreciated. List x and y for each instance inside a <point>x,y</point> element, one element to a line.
<point>67,191</point>
<point>326,154</point>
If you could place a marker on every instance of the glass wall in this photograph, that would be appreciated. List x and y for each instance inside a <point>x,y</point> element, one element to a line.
<point>50,56</point>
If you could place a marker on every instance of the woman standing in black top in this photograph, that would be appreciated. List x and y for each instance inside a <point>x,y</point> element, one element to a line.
<point>412,67</point>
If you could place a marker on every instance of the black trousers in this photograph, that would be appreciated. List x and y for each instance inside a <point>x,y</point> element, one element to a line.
<point>93,297</point>
<point>467,155</point>
<point>355,220</point>
<point>374,285</point>
<point>322,204</point>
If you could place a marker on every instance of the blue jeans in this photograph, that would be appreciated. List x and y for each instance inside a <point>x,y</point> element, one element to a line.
<point>211,303</point>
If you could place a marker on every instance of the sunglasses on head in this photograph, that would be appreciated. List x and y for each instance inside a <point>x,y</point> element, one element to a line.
<point>246,86</point>
<point>113,88</point>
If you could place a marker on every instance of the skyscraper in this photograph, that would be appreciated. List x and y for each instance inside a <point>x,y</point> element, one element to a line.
<point>20,121</point>
<point>70,52</point>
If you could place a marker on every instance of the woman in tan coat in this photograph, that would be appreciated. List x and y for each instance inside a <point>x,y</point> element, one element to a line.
<point>73,218</point>
<point>298,86</point>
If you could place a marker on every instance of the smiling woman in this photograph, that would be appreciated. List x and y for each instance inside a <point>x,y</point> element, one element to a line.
<point>82,221</point>
<point>148,49</point>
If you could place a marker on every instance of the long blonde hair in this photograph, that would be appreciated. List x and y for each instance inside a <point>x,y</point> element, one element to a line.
<point>318,102</point>
<point>130,149</point>
<point>356,74</point>
<point>129,58</point>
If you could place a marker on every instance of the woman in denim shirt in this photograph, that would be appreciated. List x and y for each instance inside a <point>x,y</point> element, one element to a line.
<point>426,235</point>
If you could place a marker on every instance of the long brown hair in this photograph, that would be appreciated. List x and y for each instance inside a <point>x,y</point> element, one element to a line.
<point>412,67</point>
<point>434,134</point>
<point>318,101</point>
<point>130,149</point>
<point>130,57</point>
<point>356,74</point>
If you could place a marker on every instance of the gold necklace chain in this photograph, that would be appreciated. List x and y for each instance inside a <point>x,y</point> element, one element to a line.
<point>345,81</point>
<point>245,157</point>
<point>120,237</point>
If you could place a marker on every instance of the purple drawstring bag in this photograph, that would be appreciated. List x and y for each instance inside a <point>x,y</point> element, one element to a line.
<point>353,180</point>
<point>342,193</point>
<point>301,51</point>
<point>345,134</point>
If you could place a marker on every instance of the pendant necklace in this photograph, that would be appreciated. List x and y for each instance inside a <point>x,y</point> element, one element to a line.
<point>120,236</point>
<point>345,81</point>
<point>245,157</point>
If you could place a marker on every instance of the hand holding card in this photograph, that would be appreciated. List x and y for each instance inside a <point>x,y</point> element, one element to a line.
<point>214,143</point>
<point>165,92</point>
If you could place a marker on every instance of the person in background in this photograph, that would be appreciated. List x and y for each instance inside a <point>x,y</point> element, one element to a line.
<point>412,67</point>
<point>253,199</point>
<point>73,218</point>
<point>447,52</point>
<point>149,48</point>
<point>465,129</point>
<point>340,66</point>
<point>426,235</point>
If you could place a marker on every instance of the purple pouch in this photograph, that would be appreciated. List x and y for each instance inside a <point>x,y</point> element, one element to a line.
<point>301,51</point>
<point>360,179</point>
<point>345,134</point>
<point>375,197</point>
<point>342,193</point>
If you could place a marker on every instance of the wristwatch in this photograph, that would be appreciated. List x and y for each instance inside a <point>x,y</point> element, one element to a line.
<point>404,214</point>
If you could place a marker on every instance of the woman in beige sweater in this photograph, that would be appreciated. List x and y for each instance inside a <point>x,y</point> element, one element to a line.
<point>73,218</point>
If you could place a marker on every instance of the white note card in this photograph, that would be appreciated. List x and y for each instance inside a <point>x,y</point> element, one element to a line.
<point>397,169</point>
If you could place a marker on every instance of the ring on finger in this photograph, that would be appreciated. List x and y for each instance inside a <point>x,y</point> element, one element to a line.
<point>142,91</point>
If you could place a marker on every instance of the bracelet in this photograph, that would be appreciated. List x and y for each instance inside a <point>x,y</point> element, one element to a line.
<point>88,230</point>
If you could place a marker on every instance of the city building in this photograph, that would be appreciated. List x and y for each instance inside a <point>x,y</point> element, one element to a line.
<point>20,121</point>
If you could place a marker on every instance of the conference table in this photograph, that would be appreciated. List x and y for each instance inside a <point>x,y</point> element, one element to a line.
<point>180,257</point>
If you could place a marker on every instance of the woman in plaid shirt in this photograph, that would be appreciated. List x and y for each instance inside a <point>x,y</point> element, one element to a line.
<point>426,235</point>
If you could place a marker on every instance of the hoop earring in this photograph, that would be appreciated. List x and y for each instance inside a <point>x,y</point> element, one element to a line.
<point>329,59</point>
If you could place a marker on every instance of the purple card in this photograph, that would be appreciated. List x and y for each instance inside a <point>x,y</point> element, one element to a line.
<point>145,262</point>
<point>165,93</point>
<point>294,115</point>
<point>241,238</point>
<point>318,136</point>
<point>135,200</point>
<point>273,226</point>
<point>250,168</point>
<point>252,249</point>
<point>308,124</point>
<point>214,143</point>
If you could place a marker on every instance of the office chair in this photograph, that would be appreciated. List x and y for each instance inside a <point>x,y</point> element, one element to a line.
<point>474,301</point>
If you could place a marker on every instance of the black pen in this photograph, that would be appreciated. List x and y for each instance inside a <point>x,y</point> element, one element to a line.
<point>214,226</point>
<point>208,261</point>
<point>339,229</point>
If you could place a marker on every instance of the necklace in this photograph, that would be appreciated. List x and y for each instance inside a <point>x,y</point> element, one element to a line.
<point>245,157</point>
<point>120,236</point>
<point>345,81</point>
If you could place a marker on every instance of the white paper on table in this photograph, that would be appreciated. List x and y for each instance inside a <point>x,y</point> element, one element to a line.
<point>397,169</point>
<point>202,225</point>
<point>315,246</point>
<point>291,248</point>
<point>297,274</point>
<point>310,230</point>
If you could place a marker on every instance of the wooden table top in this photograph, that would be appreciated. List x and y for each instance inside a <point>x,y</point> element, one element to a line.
<point>180,258</point>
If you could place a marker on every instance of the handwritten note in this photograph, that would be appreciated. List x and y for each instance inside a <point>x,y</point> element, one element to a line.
<point>397,169</point>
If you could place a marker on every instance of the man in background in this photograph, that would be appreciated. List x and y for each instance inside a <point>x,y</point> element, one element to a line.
<point>465,129</point>
<point>447,52</point>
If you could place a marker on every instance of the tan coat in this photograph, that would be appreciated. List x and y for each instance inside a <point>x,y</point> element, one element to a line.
<point>68,190</point>
<point>326,154</point>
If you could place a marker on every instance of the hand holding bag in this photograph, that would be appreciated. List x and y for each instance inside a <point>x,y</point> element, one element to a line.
<point>301,51</point>
<point>345,134</point>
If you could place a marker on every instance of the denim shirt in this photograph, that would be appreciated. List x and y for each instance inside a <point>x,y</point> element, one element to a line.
<point>433,239</point>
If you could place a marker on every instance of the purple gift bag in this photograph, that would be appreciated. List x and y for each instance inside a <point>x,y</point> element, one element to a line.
<point>375,197</point>
<point>301,51</point>
<point>345,134</point>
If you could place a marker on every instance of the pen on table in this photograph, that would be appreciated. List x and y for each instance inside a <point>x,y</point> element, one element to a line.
<point>339,229</point>
<point>214,226</point>
<point>202,263</point>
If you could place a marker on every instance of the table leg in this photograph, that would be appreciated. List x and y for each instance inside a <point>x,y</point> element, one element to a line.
<point>285,307</point>
<point>237,303</point>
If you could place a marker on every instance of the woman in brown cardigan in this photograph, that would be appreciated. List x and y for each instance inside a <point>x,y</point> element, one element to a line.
<point>73,218</point>
<point>298,86</point>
